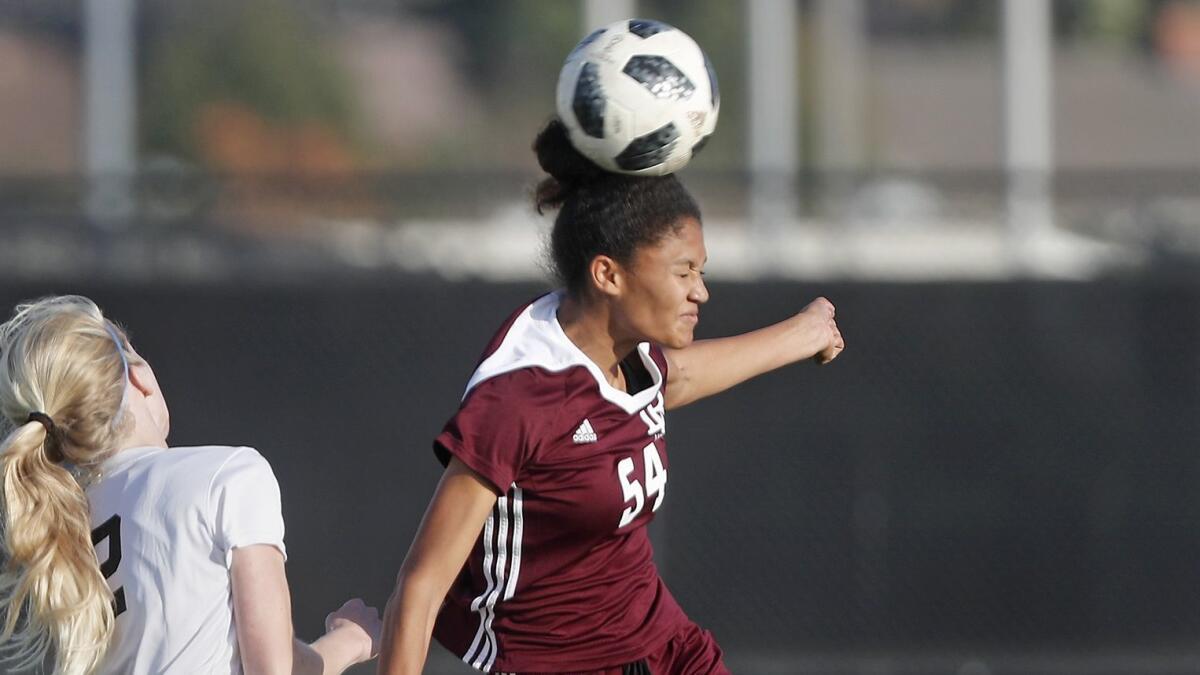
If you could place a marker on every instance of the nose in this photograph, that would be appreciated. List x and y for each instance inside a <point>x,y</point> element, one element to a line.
<point>699,292</point>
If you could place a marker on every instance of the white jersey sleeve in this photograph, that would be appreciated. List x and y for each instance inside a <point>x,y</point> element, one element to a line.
<point>246,505</point>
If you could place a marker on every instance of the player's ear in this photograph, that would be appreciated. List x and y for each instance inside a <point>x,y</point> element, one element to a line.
<point>141,377</point>
<point>606,275</point>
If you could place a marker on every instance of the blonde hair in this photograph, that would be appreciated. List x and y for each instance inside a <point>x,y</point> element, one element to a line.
<point>61,358</point>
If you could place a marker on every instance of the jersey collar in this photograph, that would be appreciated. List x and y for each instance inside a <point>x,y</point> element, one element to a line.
<point>536,340</point>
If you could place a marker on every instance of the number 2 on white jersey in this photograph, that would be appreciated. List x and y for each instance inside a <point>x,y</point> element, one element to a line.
<point>631,488</point>
<point>111,530</point>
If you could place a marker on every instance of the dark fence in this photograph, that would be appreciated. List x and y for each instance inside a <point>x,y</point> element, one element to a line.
<point>988,469</point>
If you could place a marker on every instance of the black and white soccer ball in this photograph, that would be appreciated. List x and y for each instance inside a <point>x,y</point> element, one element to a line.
<point>638,97</point>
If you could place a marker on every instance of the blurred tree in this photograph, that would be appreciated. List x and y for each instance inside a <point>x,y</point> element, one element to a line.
<point>478,25</point>
<point>944,19</point>
<point>1121,19</point>
<point>512,52</point>
<point>490,53</point>
<point>243,85</point>
<point>539,36</point>
<point>718,27</point>
<point>1115,21</point>
<point>59,18</point>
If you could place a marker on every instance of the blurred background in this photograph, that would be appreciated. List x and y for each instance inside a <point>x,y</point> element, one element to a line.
<point>312,215</point>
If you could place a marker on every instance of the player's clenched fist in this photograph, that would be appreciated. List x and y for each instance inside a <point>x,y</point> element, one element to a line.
<point>819,331</point>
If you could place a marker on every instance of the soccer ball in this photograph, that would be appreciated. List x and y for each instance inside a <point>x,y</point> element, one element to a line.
<point>638,97</point>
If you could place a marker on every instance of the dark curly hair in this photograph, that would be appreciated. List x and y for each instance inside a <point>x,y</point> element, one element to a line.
<point>599,212</point>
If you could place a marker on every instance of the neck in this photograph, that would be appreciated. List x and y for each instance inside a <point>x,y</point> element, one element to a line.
<point>590,325</point>
<point>145,433</point>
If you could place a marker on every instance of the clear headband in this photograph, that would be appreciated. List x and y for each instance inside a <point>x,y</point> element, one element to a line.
<point>124,364</point>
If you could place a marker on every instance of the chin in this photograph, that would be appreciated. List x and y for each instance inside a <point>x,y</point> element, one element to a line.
<point>680,341</point>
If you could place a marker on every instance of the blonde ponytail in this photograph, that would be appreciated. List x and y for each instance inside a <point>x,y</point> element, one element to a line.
<point>61,362</point>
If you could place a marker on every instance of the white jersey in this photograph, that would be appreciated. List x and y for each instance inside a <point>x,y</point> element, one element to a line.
<point>165,524</point>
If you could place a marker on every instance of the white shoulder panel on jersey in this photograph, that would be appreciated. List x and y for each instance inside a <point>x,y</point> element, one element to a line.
<point>536,340</point>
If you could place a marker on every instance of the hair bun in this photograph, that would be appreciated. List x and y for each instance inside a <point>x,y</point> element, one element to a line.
<point>568,168</point>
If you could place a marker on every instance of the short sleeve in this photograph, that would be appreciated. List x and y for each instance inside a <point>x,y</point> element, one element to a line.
<point>492,432</point>
<point>246,505</point>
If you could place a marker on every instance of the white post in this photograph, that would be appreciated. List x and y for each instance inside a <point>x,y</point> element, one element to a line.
<point>1029,118</point>
<point>774,119</point>
<point>597,13</point>
<point>110,145</point>
<point>841,64</point>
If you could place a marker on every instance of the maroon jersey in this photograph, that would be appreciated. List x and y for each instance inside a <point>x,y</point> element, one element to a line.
<point>562,577</point>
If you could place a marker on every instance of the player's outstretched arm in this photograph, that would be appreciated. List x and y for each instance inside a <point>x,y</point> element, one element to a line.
<point>707,367</point>
<point>452,523</point>
<point>262,611</point>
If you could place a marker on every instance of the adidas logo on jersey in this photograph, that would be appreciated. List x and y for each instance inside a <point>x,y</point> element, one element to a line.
<point>585,433</point>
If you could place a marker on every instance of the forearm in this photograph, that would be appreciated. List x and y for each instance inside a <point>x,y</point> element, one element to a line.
<point>707,367</point>
<point>408,628</point>
<point>447,533</point>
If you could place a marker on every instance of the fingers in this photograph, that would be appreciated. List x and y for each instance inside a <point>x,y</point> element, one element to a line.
<point>835,346</point>
<point>354,611</point>
<point>822,306</point>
